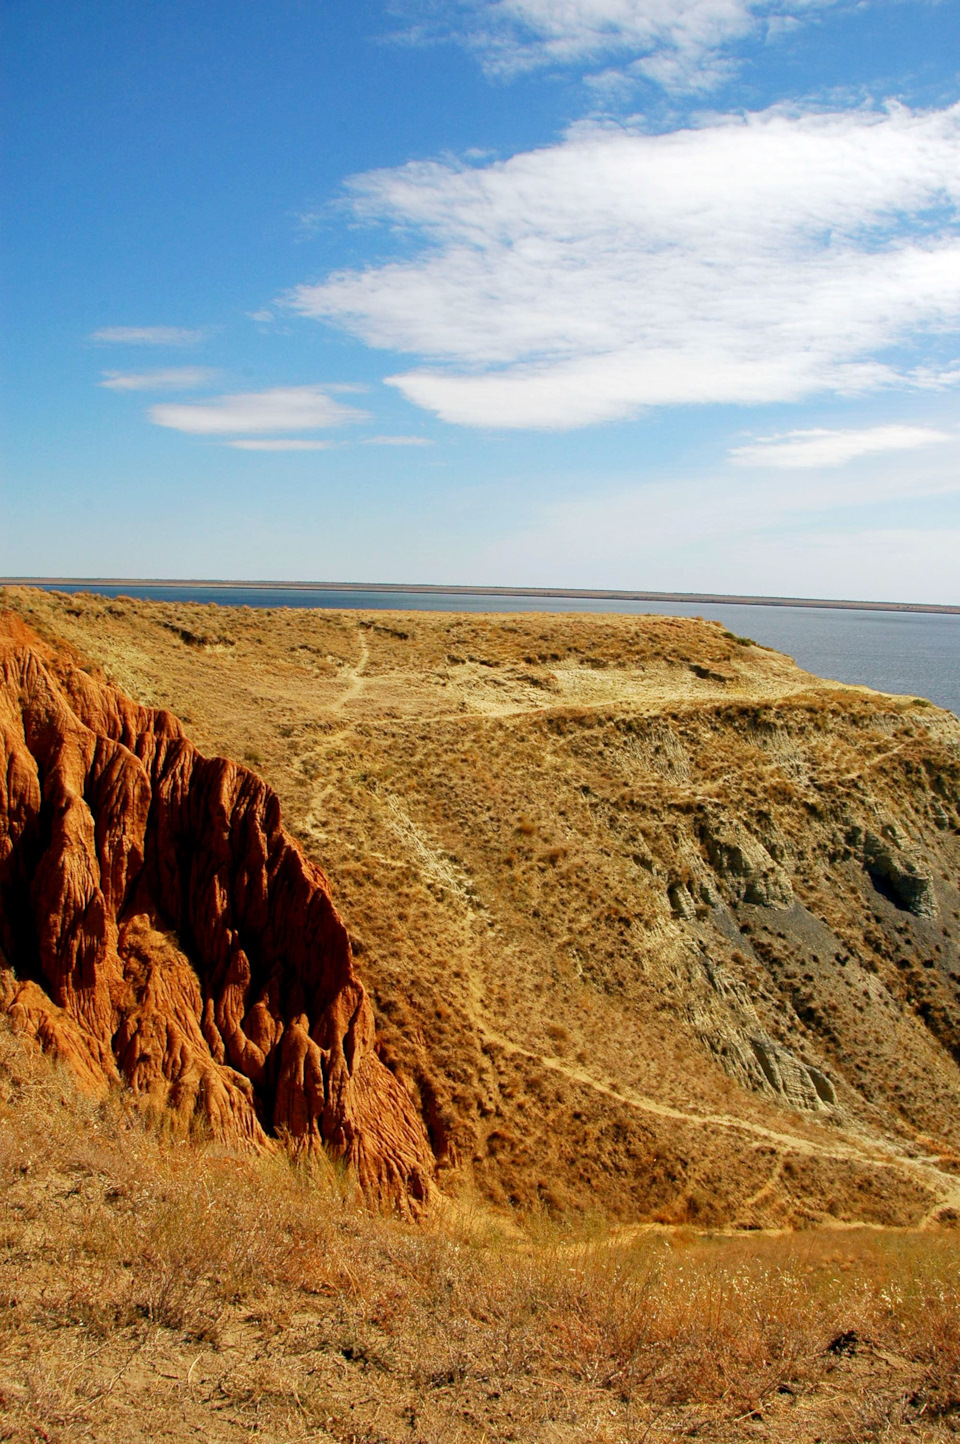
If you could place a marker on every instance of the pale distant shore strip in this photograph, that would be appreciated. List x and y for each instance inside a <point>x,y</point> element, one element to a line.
<point>431,589</point>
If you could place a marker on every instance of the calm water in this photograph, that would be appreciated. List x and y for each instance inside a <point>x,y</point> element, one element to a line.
<point>913,652</point>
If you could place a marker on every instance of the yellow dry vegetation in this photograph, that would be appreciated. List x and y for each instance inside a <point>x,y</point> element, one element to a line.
<point>657,926</point>
<point>154,1288</point>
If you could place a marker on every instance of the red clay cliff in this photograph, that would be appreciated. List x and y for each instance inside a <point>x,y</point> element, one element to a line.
<point>158,926</point>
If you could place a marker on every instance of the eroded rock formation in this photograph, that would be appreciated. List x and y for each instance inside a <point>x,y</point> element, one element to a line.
<point>158,926</point>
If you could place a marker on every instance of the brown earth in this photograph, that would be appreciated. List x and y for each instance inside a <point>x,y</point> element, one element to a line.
<point>163,929</point>
<point>654,924</point>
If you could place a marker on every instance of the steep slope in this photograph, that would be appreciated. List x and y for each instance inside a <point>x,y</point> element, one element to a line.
<point>163,929</point>
<point>653,922</point>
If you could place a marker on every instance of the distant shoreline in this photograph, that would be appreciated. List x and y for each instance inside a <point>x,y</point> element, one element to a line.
<point>431,589</point>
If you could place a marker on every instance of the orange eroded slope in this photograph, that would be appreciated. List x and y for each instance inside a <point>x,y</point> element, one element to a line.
<point>166,931</point>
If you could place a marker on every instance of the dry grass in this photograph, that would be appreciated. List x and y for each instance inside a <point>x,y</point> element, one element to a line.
<point>152,1288</point>
<point>520,817</point>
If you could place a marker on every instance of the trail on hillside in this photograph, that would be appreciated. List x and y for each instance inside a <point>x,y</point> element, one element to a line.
<point>866,1152</point>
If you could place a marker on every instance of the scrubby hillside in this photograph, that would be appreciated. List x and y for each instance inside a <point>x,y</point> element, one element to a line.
<point>654,924</point>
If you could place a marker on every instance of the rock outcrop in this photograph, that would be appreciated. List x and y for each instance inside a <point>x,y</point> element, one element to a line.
<point>895,873</point>
<point>159,927</point>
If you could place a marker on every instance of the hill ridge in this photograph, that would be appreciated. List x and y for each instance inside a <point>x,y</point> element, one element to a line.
<point>634,848</point>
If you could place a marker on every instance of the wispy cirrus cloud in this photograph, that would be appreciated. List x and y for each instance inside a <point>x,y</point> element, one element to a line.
<point>795,450</point>
<point>147,336</point>
<point>281,444</point>
<point>680,44</point>
<point>708,532</point>
<point>283,408</point>
<point>397,441</point>
<point>178,378</point>
<point>750,259</point>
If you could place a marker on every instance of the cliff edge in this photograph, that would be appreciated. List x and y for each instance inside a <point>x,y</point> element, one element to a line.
<point>654,924</point>
<point>159,927</point>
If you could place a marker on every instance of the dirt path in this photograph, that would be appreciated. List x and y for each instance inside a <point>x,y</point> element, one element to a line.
<point>944,1187</point>
<point>354,676</point>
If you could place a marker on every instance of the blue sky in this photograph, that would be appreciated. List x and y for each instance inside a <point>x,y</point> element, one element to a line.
<point>626,293</point>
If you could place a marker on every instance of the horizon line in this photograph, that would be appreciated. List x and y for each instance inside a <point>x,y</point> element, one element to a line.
<point>436,588</point>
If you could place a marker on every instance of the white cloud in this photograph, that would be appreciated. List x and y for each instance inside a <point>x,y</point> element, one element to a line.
<point>799,449</point>
<point>396,441</point>
<point>147,336</point>
<point>751,259</point>
<point>285,408</point>
<point>680,513</point>
<point>181,378</point>
<point>680,44</point>
<point>281,445</point>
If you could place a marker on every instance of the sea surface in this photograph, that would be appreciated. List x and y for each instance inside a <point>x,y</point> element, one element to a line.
<point>917,653</point>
